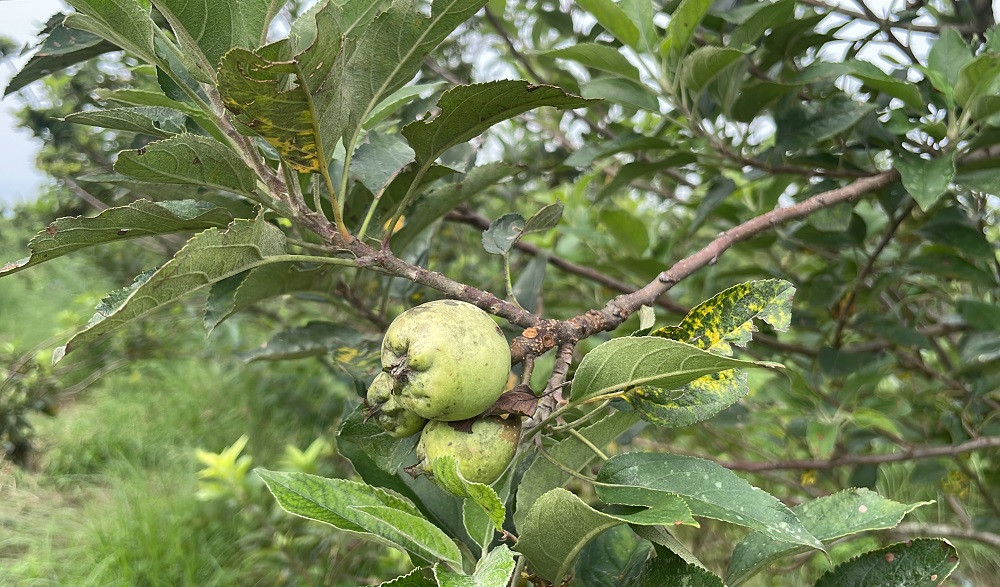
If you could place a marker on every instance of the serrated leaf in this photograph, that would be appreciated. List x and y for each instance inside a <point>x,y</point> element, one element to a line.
<point>138,219</point>
<point>493,570</point>
<point>362,509</point>
<point>61,48</point>
<point>414,578</point>
<point>125,23</point>
<point>242,291</point>
<point>926,180</point>
<point>467,111</point>
<point>728,316</point>
<point>438,202</point>
<point>209,257</point>
<point>917,563</point>
<point>150,120</point>
<point>198,25</point>
<point>710,491</point>
<point>627,362</point>
<point>387,452</point>
<point>559,524</point>
<point>188,159</point>
<point>827,518</point>
<point>351,350</point>
<point>667,569</point>
<point>503,233</point>
<point>448,476</point>
<point>572,453</point>
<point>600,57</point>
<point>705,63</point>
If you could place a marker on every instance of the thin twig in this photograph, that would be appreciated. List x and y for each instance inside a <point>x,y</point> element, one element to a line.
<point>946,531</point>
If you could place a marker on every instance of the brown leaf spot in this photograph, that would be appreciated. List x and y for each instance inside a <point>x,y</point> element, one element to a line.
<point>123,232</point>
<point>141,150</point>
<point>196,161</point>
<point>463,425</point>
<point>889,557</point>
<point>530,332</point>
<point>520,401</point>
<point>934,577</point>
<point>51,229</point>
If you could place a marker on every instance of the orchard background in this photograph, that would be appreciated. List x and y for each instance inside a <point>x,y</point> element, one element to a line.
<point>783,217</point>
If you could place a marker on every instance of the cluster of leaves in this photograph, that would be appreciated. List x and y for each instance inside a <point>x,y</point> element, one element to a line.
<point>304,167</point>
<point>26,387</point>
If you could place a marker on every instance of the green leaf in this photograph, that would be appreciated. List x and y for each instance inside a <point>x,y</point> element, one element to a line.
<point>728,317</point>
<point>605,559</point>
<point>980,180</point>
<point>503,233</point>
<point>438,202</point>
<point>805,126</point>
<point>545,219</point>
<point>917,563</point>
<point>362,509</point>
<point>189,159</point>
<point>467,111</point>
<point>875,78</point>
<point>414,578</point>
<point>948,55</point>
<point>710,490</point>
<point>681,27</point>
<point>573,454</point>
<point>395,100</point>
<point>641,13</point>
<point>387,452</point>
<point>213,27</point>
<point>926,180</point>
<point>448,476</point>
<point>650,361</point>
<point>621,91</point>
<point>125,23</point>
<point>667,569</point>
<point>350,350</point>
<point>827,518</point>
<point>242,291</point>
<point>596,56</point>
<point>613,19</point>
<point>62,48</point>
<point>977,78</point>
<point>378,159</point>
<point>755,97</point>
<point>150,120</point>
<point>627,230</point>
<point>559,525</point>
<point>493,570</point>
<point>138,219</point>
<point>767,16</point>
<point>209,257</point>
<point>705,63</point>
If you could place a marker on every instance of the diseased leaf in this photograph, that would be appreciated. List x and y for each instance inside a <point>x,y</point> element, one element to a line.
<point>61,48</point>
<point>627,362</point>
<point>559,524</point>
<point>150,120</point>
<point>710,491</point>
<point>138,219</point>
<point>369,511</point>
<point>188,159</point>
<point>827,518</point>
<point>351,350</point>
<point>917,563</point>
<point>697,401</point>
<point>448,476</point>
<point>467,111</point>
<point>209,257</point>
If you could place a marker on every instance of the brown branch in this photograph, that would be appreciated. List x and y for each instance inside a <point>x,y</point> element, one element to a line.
<point>908,455</point>
<point>945,531</point>
<point>551,333</point>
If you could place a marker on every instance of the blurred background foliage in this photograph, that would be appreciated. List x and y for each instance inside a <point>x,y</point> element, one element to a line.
<point>129,465</point>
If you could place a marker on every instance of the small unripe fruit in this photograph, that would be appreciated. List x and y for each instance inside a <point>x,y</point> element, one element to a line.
<point>482,455</point>
<point>387,411</point>
<point>448,358</point>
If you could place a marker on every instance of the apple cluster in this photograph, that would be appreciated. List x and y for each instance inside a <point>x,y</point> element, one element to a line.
<point>443,362</point>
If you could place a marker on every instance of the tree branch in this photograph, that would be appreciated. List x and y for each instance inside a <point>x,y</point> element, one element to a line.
<point>908,455</point>
<point>550,333</point>
<point>946,531</point>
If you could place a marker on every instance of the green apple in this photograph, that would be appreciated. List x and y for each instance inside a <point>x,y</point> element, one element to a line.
<point>387,411</point>
<point>449,360</point>
<point>482,455</point>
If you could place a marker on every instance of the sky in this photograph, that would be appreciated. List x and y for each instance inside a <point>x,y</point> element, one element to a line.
<point>20,20</point>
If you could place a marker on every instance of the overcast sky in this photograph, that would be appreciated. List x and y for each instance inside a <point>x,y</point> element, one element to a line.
<point>20,20</point>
